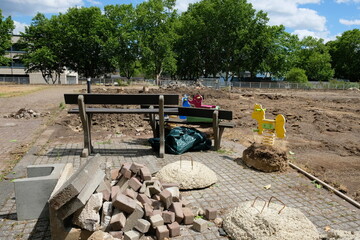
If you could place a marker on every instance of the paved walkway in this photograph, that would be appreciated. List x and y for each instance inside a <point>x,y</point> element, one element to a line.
<point>236,184</point>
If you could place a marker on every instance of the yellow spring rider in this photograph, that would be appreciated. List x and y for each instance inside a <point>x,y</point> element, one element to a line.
<point>268,127</point>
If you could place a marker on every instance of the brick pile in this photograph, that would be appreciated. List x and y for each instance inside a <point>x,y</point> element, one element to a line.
<point>134,204</point>
<point>26,113</point>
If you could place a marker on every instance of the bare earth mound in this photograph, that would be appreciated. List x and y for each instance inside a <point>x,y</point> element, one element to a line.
<point>187,175</point>
<point>265,158</point>
<point>246,222</point>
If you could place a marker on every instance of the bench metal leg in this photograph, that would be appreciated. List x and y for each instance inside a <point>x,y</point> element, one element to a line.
<point>216,130</point>
<point>85,124</point>
<point>161,127</point>
<point>91,148</point>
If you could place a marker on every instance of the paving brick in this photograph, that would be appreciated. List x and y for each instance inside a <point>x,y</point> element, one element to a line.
<point>135,167</point>
<point>174,229</point>
<point>162,232</point>
<point>118,220</point>
<point>114,190</point>
<point>158,205</point>
<point>200,225</point>
<point>130,193</point>
<point>124,203</point>
<point>169,217</point>
<point>123,183</point>
<point>115,173</point>
<point>132,235</point>
<point>176,207</point>
<point>131,221</point>
<point>210,213</point>
<point>125,170</point>
<point>135,184</point>
<point>148,209</point>
<point>145,173</point>
<point>156,220</point>
<point>157,212</point>
<point>117,234</point>
<point>188,216</point>
<point>143,199</point>
<point>166,198</point>
<point>142,225</point>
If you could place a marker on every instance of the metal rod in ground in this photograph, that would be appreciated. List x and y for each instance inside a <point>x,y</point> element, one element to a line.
<point>340,194</point>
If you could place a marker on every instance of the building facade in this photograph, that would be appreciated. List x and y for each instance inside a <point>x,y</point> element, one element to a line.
<point>15,73</point>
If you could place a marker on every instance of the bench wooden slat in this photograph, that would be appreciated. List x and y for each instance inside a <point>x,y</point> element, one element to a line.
<point>122,99</point>
<point>204,112</point>
<point>207,124</point>
<point>124,111</point>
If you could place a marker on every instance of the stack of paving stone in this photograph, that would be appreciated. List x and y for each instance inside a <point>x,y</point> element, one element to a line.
<point>132,205</point>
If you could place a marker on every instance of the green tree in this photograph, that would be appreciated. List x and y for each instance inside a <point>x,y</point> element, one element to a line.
<point>313,56</point>
<point>124,43</point>
<point>296,75</point>
<point>155,24</point>
<point>43,48</point>
<point>345,53</point>
<point>6,28</point>
<point>86,32</point>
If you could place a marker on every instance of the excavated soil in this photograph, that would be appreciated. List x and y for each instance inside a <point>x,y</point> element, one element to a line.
<point>323,130</point>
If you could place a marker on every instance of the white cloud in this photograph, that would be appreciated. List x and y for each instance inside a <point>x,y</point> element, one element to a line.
<point>182,5</point>
<point>305,33</point>
<point>93,2</point>
<point>31,7</point>
<point>19,27</point>
<point>347,1</point>
<point>350,22</point>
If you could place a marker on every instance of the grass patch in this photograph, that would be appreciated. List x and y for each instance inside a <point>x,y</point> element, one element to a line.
<point>7,91</point>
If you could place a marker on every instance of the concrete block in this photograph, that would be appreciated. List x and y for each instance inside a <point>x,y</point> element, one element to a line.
<point>132,235</point>
<point>88,217</point>
<point>176,207</point>
<point>124,203</point>
<point>75,183</point>
<point>135,184</point>
<point>142,225</point>
<point>210,213</point>
<point>145,174</point>
<point>32,193</point>
<point>175,193</point>
<point>174,229</point>
<point>118,220</point>
<point>162,232</point>
<point>156,220</point>
<point>200,225</point>
<point>166,198</point>
<point>80,200</point>
<point>188,216</point>
<point>135,167</point>
<point>169,185</point>
<point>169,217</point>
<point>131,221</point>
<point>106,215</point>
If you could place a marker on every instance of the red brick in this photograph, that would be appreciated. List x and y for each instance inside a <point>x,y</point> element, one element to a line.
<point>157,212</point>
<point>135,167</point>
<point>188,216</point>
<point>174,229</point>
<point>162,232</point>
<point>158,205</point>
<point>114,190</point>
<point>118,220</point>
<point>124,203</point>
<point>106,195</point>
<point>210,213</point>
<point>145,173</point>
<point>135,184</point>
<point>148,210</point>
<point>117,234</point>
<point>130,193</point>
<point>169,217</point>
<point>143,199</point>
<point>176,207</point>
<point>125,170</point>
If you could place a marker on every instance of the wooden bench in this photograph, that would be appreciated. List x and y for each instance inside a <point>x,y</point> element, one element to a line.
<point>122,99</point>
<point>219,120</point>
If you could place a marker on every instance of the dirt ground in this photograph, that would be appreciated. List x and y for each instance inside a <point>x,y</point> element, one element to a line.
<point>323,127</point>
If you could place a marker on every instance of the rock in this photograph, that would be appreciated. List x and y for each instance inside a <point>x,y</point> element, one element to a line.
<point>265,158</point>
<point>218,221</point>
<point>246,222</point>
<point>187,176</point>
<point>88,217</point>
<point>342,235</point>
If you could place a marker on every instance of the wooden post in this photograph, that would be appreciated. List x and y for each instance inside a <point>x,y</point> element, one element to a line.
<point>216,130</point>
<point>161,127</point>
<point>84,120</point>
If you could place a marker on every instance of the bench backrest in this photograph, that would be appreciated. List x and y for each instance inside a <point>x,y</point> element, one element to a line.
<point>122,99</point>
<point>204,112</point>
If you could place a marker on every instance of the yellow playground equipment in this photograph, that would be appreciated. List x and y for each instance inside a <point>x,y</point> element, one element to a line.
<point>267,127</point>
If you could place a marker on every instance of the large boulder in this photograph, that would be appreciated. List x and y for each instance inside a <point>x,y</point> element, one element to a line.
<point>265,158</point>
<point>248,222</point>
<point>188,174</point>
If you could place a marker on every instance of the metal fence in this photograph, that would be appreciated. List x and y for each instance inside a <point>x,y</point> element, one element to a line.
<point>15,79</point>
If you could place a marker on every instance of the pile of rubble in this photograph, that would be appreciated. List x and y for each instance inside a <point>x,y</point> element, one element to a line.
<point>25,113</point>
<point>132,205</point>
<point>183,85</point>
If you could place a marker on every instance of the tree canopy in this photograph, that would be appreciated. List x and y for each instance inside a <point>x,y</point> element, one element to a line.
<point>6,28</point>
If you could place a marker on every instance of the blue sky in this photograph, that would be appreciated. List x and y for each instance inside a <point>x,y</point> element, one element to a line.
<point>319,18</point>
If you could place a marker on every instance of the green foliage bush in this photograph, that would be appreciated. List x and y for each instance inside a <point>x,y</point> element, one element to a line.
<point>296,75</point>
